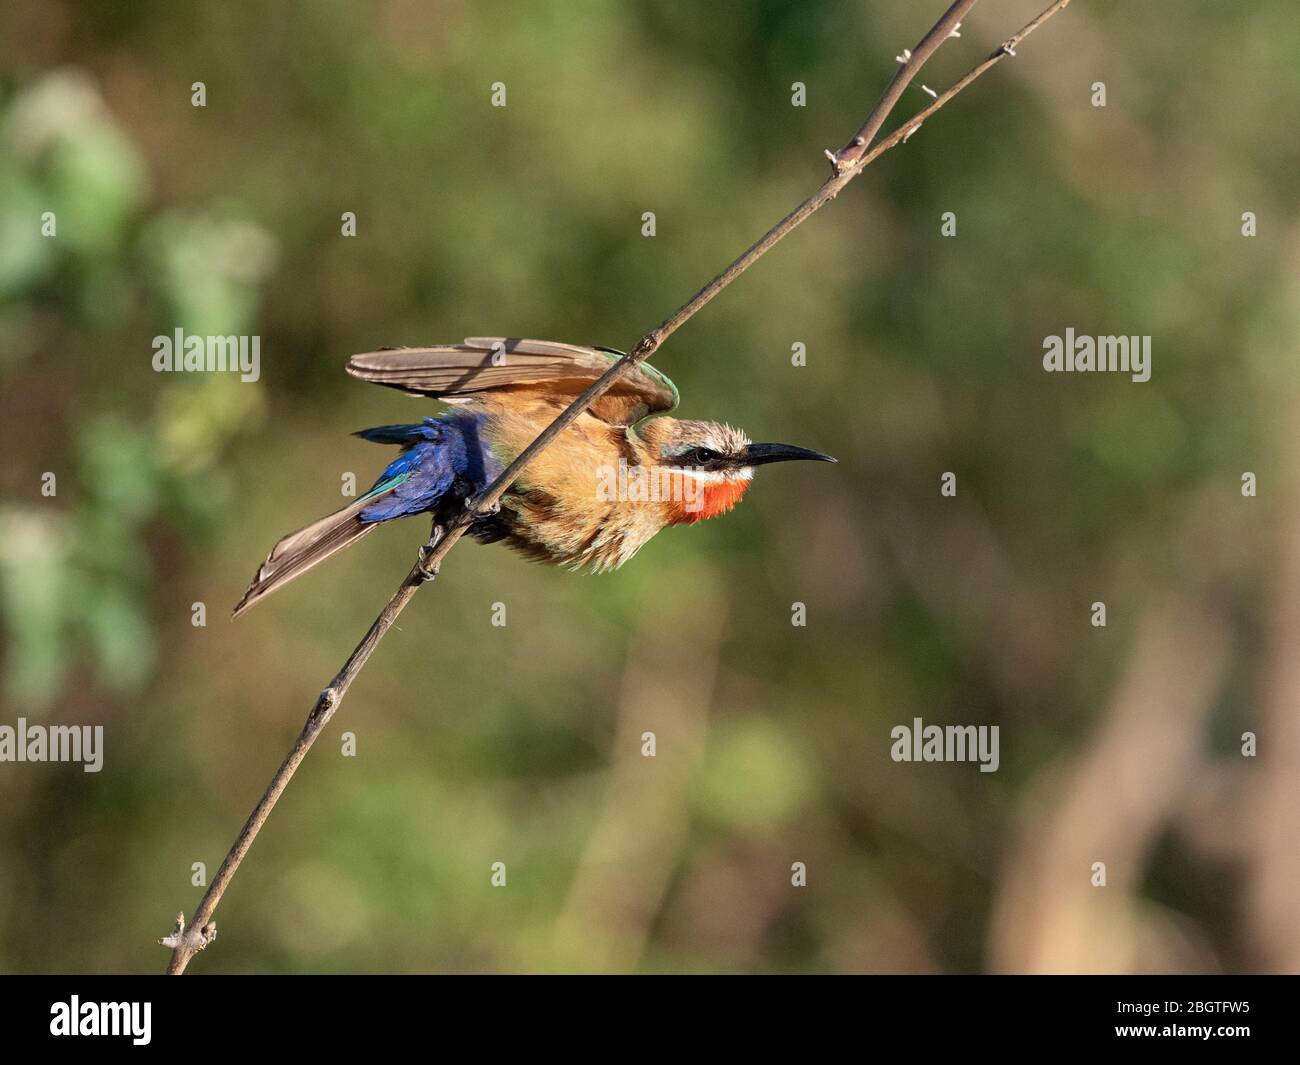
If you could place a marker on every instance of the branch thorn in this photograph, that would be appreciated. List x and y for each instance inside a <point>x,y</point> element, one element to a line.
<point>194,941</point>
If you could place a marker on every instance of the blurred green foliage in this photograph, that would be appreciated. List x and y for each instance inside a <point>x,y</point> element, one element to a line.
<point>79,576</point>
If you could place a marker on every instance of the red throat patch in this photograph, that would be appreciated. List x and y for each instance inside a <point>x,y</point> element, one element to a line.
<point>714,499</point>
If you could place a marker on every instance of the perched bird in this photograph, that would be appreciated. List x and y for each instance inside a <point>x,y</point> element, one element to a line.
<point>589,501</point>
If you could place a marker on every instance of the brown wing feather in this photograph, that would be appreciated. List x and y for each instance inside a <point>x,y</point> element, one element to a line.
<point>467,372</point>
<point>299,551</point>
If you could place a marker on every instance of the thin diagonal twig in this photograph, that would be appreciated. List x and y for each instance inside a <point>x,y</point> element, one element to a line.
<point>912,62</point>
<point>189,938</point>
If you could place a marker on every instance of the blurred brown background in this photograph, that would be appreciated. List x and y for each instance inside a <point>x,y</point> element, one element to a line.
<point>521,744</point>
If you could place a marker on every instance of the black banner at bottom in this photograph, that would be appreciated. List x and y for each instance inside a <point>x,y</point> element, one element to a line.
<point>615,1014</point>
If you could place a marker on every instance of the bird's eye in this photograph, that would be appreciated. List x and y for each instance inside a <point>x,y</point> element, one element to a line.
<point>700,455</point>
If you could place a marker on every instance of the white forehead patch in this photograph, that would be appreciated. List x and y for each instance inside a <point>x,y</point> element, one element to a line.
<point>716,436</point>
<point>727,439</point>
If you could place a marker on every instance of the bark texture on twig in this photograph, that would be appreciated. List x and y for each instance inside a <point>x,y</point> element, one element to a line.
<point>846,165</point>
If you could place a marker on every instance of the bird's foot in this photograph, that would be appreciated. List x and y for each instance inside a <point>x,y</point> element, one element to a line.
<point>427,566</point>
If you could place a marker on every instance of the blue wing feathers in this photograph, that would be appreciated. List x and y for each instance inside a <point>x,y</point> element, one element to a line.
<point>434,454</point>
<point>439,456</point>
<point>429,429</point>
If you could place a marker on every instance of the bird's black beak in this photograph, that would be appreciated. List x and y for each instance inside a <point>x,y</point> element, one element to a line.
<point>760,454</point>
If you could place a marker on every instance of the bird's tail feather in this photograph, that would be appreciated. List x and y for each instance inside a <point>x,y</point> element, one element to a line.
<point>298,552</point>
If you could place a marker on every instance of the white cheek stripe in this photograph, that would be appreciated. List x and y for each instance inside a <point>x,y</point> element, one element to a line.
<point>744,473</point>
